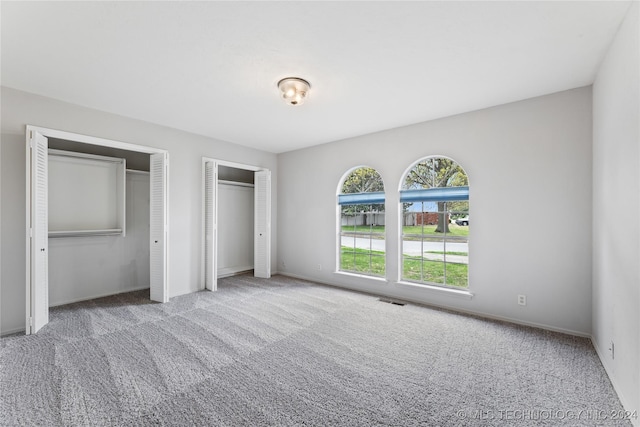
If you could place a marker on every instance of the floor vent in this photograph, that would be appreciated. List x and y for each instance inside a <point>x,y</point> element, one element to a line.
<point>390,301</point>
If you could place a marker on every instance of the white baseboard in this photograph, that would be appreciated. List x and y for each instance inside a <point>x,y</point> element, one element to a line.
<point>12,331</point>
<point>628,406</point>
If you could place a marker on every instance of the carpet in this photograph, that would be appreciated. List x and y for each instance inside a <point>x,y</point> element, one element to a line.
<point>285,352</point>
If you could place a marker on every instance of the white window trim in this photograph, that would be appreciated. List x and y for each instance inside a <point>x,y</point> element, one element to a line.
<point>431,285</point>
<point>338,245</point>
<point>443,290</point>
<point>424,285</point>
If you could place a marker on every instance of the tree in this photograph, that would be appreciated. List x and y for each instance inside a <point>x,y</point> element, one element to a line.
<point>436,172</point>
<point>362,180</point>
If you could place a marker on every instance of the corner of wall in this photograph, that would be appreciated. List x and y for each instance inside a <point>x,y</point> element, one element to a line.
<point>616,178</point>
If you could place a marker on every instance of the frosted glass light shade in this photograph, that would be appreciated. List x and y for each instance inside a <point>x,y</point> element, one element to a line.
<point>293,90</point>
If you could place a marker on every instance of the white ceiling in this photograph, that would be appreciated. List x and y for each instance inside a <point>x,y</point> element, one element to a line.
<point>211,68</point>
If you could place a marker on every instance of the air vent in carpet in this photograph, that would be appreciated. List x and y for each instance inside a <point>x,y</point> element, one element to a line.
<point>390,301</point>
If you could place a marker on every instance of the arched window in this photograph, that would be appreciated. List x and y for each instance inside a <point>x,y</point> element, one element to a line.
<point>434,200</point>
<point>361,247</point>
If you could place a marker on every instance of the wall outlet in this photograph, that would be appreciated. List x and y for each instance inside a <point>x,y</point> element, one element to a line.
<point>319,267</point>
<point>522,300</point>
<point>612,349</point>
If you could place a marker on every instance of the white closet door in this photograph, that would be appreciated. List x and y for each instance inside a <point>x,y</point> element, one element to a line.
<point>210,226</point>
<point>262,229</point>
<point>158,228</point>
<point>39,286</point>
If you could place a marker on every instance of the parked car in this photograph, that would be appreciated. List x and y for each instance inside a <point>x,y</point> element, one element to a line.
<point>463,221</point>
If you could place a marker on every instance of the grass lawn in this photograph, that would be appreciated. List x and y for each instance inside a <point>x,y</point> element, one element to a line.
<point>364,228</point>
<point>362,261</point>
<point>414,268</point>
<point>419,270</point>
<point>448,253</point>
<point>454,229</point>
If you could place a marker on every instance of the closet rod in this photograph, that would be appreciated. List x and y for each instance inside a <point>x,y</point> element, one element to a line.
<point>236,183</point>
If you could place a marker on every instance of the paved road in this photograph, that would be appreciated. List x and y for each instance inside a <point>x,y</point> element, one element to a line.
<point>410,247</point>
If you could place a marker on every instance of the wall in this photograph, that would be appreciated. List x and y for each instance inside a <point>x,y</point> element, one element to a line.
<point>85,194</point>
<point>88,267</point>
<point>12,281</point>
<point>185,180</point>
<point>522,159</point>
<point>1,228</point>
<point>616,211</point>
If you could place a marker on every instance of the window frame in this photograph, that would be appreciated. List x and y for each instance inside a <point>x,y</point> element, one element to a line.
<point>369,199</point>
<point>453,193</point>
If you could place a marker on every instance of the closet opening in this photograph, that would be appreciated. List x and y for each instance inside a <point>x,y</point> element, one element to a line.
<point>86,259</point>
<point>236,221</point>
<point>96,220</point>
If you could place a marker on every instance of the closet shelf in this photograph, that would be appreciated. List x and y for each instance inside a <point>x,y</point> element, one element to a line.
<point>84,233</point>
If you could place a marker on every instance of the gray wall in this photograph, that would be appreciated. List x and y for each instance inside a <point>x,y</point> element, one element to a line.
<point>89,267</point>
<point>185,180</point>
<point>235,229</point>
<point>529,168</point>
<point>616,211</point>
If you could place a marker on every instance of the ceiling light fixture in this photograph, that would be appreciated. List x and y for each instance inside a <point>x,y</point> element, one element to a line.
<point>294,90</point>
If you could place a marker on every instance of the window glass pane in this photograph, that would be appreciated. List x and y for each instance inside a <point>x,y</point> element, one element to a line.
<point>362,227</point>
<point>459,213</point>
<point>433,271</point>
<point>457,274</point>
<point>362,260</point>
<point>412,268</point>
<point>435,233</point>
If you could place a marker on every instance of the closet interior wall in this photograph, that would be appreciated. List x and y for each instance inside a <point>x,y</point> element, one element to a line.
<point>235,220</point>
<point>89,267</point>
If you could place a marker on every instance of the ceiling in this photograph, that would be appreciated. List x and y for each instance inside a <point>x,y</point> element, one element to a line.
<point>211,68</point>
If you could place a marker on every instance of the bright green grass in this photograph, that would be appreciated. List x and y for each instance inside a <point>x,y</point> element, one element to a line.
<point>448,253</point>
<point>454,229</point>
<point>362,261</point>
<point>414,268</point>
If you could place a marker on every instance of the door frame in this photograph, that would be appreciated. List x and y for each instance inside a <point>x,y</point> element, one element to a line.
<point>203,262</point>
<point>31,132</point>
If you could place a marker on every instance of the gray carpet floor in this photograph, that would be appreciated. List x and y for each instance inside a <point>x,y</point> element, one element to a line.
<point>287,352</point>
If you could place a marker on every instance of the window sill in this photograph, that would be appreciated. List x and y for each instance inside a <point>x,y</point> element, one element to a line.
<point>362,276</point>
<point>457,293</point>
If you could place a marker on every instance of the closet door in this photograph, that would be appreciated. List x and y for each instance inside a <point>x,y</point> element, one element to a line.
<point>262,228</point>
<point>210,225</point>
<point>158,228</point>
<point>38,287</point>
